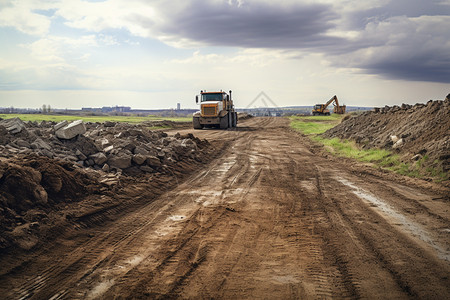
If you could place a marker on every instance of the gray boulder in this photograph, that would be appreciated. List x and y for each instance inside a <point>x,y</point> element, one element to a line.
<point>80,155</point>
<point>141,150</point>
<point>14,125</point>
<point>72,130</point>
<point>22,143</point>
<point>146,169</point>
<point>99,158</point>
<point>121,161</point>
<point>153,161</point>
<point>139,159</point>
<point>60,125</point>
<point>108,149</point>
<point>40,144</point>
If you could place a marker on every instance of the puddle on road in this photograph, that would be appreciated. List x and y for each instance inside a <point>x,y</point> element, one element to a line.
<point>177,218</point>
<point>223,168</point>
<point>100,289</point>
<point>309,185</point>
<point>133,262</point>
<point>413,228</point>
<point>285,279</point>
<point>210,197</point>
<point>204,193</point>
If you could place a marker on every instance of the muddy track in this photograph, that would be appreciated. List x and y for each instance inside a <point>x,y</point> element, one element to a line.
<point>267,219</point>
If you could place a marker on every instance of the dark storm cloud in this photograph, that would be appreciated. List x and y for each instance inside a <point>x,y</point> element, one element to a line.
<point>392,40</point>
<point>409,8</point>
<point>416,70</point>
<point>255,25</point>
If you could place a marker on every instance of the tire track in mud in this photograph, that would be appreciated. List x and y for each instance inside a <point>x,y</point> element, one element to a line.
<point>224,179</point>
<point>392,253</point>
<point>326,268</point>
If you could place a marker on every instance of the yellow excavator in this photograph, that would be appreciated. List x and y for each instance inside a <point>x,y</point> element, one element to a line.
<point>321,109</point>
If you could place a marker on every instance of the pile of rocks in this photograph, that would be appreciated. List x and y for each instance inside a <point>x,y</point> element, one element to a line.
<point>110,146</point>
<point>49,170</point>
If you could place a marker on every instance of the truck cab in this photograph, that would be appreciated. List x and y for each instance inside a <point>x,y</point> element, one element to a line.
<point>216,110</point>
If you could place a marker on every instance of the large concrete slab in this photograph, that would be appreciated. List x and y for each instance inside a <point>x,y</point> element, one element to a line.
<point>72,130</point>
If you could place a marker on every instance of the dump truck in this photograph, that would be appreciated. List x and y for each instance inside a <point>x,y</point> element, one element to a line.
<point>216,110</point>
<point>321,109</point>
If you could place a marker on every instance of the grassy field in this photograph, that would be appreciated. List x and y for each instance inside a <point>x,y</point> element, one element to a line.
<point>86,118</point>
<point>314,126</point>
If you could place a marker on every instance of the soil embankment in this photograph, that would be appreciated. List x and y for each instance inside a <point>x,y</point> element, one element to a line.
<point>419,133</point>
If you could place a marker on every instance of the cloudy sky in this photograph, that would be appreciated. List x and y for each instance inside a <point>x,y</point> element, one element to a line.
<point>156,53</point>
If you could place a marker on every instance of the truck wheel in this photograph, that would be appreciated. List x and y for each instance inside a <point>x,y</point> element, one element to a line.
<point>196,123</point>
<point>224,122</point>
<point>235,119</point>
<point>230,120</point>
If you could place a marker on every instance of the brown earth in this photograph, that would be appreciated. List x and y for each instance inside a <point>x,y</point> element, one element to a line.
<point>422,131</point>
<point>268,218</point>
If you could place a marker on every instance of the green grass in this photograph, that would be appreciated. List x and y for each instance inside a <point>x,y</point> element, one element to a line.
<point>331,118</point>
<point>314,126</point>
<point>345,148</point>
<point>311,127</point>
<point>159,127</point>
<point>86,118</point>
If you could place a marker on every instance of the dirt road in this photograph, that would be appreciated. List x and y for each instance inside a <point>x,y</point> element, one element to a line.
<point>267,219</point>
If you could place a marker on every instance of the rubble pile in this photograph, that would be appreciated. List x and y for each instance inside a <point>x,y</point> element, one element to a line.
<point>417,132</point>
<point>243,116</point>
<point>47,168</point>
<point>109,146</point>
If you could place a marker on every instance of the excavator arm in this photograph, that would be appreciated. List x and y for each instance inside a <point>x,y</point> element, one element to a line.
<point>334,98</point>
<point>336,102</point>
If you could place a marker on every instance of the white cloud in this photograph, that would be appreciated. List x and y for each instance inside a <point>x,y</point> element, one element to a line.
<point>250,57</point>
<point>56,48</point>
<point>108,40</point>
<point>19,14</point>
<point>198,58</point>
<point>113,14</point>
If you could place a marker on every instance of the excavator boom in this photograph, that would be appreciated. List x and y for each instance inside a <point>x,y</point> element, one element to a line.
<point>334,98</point>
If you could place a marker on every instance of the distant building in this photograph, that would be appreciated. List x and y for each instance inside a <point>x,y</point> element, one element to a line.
<point>107,109</point>
<point>178,106</point>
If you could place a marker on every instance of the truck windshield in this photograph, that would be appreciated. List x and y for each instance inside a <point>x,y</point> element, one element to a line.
<point>212,97</point>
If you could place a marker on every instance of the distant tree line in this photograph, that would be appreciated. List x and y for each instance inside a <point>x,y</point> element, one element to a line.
<point>46,109</point>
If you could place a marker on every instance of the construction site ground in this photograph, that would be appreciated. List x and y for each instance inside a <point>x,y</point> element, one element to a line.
<point>271,217</point>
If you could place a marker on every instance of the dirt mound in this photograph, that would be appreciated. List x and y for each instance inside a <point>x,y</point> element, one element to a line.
<point>36,184</point>
<point>244,116</point>
<point>417,133</point>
